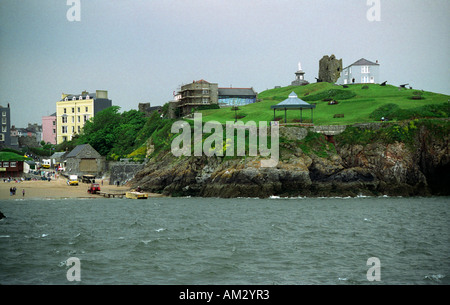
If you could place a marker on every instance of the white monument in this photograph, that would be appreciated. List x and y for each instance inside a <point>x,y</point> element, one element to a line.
<point>299,77</point>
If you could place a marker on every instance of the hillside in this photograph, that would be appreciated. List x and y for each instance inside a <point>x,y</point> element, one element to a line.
<point>358,105</point>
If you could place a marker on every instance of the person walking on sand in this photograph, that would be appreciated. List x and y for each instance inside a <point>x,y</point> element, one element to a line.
<point>23,192</point>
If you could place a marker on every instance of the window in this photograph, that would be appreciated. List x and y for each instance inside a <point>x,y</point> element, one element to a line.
<point>54,130</point>
<point>2,137</point>
<point>364,69</point>
<point>364,79</point>
<point>86,117</point>
<point>12,164</point>
<point>86,109</point>
<point>79,129</point>
<point>88,97</point>
<point>66,98</point>
<point>74,98</point>
<point>64,129</point>
<point>78,109</point>
<point>4,113</point>
<point>54,123</point>
<point>73,110</point>
<point>5,164</point>
<point>64,139</point>
<point>3,120</point>
<point>65,110</point>
<point>80,98</point>
<point>346,72</point>
<point>73,119</point>
<point>79,118</point>
<point>4,129</point>
<point>73,129</point>
<point>64,119</point>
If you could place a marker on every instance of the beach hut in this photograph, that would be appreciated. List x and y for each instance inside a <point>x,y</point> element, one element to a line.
<point>293,103</point>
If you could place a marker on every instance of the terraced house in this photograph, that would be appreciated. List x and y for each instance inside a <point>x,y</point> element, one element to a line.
<point>73,111</point>
<point>5,123</point>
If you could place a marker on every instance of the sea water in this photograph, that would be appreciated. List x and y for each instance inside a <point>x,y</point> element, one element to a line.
<point>226,241</point>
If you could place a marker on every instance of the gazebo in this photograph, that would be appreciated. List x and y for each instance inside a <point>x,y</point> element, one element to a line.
<point>293,102</point>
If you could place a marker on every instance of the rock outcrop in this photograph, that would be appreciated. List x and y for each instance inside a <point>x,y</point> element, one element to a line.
<point>374,169</point>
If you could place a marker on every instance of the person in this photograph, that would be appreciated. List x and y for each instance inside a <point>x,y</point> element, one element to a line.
<point>23,192</point>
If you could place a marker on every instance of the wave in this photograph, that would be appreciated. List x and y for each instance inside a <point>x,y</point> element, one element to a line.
<point>434,277</point>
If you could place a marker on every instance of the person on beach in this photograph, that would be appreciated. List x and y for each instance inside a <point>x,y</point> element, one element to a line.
<point>23,192</point>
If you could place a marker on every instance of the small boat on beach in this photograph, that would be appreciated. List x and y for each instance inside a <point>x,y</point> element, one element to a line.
<point>136,195</point>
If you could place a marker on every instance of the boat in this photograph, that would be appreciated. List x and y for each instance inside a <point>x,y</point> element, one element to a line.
<point>136,195</point>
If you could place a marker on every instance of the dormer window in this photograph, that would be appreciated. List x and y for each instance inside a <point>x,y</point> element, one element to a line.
<point>74,98</point>
<point>88,97</point>
<point>66,98</point>
<point>80,98</point>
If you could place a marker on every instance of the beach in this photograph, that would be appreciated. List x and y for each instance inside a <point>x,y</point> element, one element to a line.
<point>56,188</point>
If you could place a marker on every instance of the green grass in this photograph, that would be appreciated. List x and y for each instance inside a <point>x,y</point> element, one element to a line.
<point>10,156</point>
<point>355,103</point>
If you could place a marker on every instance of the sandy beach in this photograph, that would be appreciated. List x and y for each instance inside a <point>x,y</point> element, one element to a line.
<point>56,188</point>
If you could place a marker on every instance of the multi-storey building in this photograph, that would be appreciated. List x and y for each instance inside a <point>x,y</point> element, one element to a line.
<point>196,94</point>
<point>5,125</point>
<point>49,128</point>
<point>73,111</point>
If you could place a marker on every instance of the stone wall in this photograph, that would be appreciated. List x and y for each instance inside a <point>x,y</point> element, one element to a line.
<point>123,172</point>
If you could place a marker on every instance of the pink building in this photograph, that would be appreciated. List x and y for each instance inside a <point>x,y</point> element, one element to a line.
<point>49,129</point>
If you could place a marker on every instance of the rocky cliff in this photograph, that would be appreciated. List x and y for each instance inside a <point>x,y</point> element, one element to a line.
<point>419,168</point>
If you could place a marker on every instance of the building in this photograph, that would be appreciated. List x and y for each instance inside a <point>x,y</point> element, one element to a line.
<point>360,72</point>
<point>73,111</point>
<point>84,159</point>
<point>195,94</point>
<point>49,128</point>
<point>147,109</point>
<point>11,164</point>
<point>5,125</point>
<point>236,96</point>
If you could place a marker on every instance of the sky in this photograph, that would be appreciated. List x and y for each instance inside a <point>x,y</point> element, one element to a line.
<point>141,51</point>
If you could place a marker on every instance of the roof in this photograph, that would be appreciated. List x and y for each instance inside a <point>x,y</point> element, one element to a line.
<point>58,155</point>
<point>202,81</point>
<point>237,92</point>
<point>84,94</point>
<point>293,102</point>
<point>364,62</point>
<point>10,156</point>
<point>79,148</point>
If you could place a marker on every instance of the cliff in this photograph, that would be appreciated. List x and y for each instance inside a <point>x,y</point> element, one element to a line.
<point>389,161</point>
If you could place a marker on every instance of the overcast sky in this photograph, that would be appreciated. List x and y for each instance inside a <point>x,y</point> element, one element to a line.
<point>143,50</point>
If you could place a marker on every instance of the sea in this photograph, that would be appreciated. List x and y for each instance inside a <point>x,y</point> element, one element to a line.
<point>212,241</point>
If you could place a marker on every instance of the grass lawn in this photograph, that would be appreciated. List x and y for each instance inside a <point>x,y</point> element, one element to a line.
<point>354,102</point>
